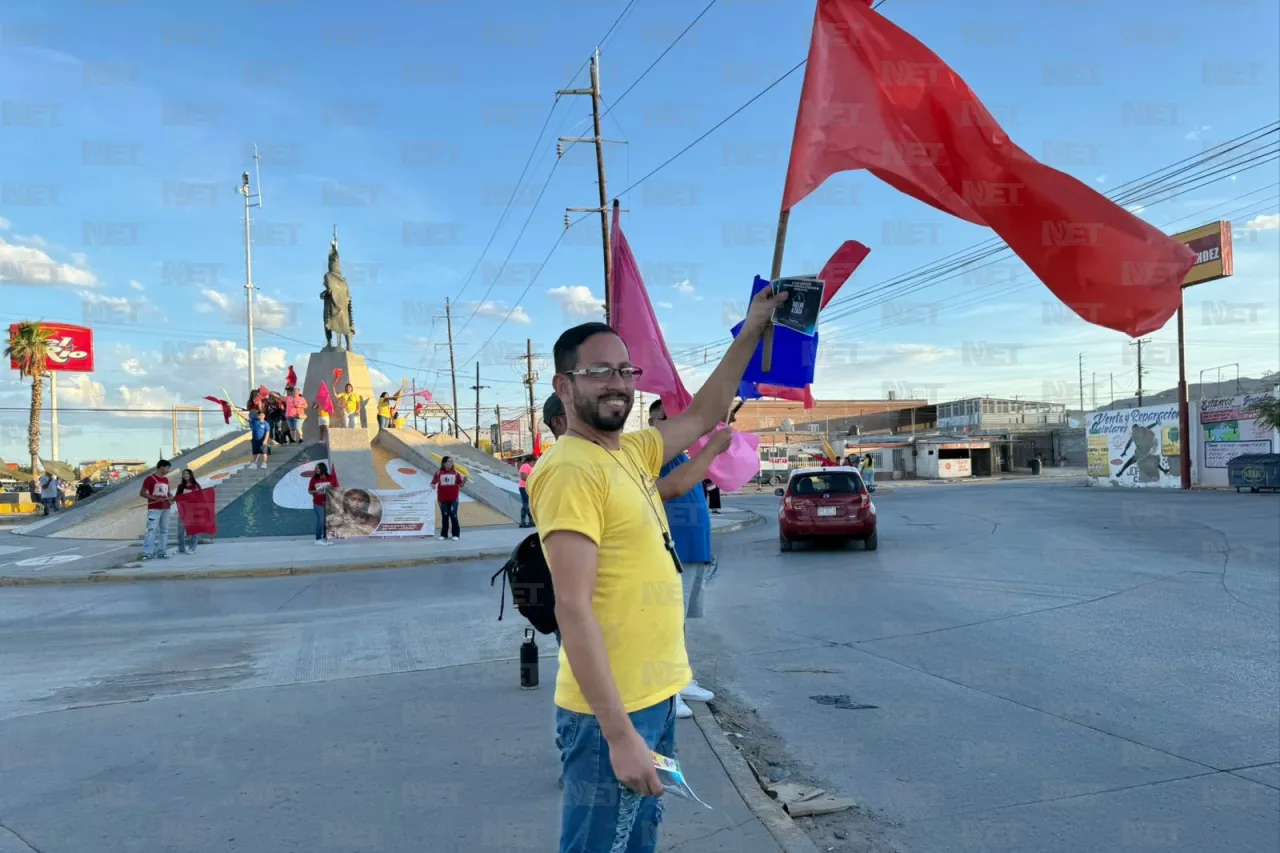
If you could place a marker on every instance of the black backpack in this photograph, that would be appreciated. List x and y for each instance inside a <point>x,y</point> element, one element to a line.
<point>529,576</point>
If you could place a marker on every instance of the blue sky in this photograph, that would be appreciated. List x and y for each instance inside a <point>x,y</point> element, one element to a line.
<point>407,123</point>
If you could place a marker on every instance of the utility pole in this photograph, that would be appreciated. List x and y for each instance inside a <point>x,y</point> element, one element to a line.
<point>1112,377</point>
<point>599,142</point>
<point>1082,384</point>
<point>477,388</point>
<point>250,200</point>
<point>1138,343</point>
<point>499,444</point>
<point>453,370</point>
<point>1094,392</point>
<point>530,378</point>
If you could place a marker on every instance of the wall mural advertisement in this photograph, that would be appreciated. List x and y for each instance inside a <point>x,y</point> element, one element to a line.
<point>1136,448</point>
<point>1229,431</point>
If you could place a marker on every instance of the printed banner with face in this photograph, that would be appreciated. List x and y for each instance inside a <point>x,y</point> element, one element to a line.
<point>363,513</point>
<point>1135,447</point>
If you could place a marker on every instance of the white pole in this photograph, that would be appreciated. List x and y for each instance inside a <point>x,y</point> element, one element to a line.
<point>53,411</point>
<point>248,279</point>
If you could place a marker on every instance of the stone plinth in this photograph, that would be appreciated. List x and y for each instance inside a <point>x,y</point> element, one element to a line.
<point>355,371</point>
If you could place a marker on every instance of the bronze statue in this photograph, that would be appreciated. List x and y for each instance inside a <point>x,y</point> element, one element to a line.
<point>338,315</point>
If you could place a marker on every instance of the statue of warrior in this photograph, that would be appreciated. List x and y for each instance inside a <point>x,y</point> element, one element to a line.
<point>338,316</point>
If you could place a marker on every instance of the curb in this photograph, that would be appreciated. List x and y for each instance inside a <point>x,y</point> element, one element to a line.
<point>105,576</point>
<point>791,838</point>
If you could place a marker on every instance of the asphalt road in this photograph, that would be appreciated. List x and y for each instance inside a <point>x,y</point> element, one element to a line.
<point>1053,668</point>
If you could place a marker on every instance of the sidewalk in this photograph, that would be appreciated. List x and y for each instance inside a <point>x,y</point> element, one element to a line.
<point>279,555</point>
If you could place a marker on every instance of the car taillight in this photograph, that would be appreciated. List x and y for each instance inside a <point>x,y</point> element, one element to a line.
<point>864,500</point>
<point>786,502</point>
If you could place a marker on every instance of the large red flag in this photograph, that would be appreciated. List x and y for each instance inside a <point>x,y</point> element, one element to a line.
<point>198,511</point>
<point>874,98</point>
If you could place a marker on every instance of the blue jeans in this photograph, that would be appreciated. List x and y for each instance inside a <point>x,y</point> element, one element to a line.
<point>869,476</point>
<point>526,517</point>
<point>449,514</point>
<point>319,510</point>
<point>599,815</point>
<point>186,541</point>
<point>156,540</point>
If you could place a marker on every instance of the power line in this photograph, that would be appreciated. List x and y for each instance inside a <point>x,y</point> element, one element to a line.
<point>653,64</point>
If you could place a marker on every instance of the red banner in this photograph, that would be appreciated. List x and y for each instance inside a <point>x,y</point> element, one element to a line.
<point>198,511</point>
<point>70,348</point>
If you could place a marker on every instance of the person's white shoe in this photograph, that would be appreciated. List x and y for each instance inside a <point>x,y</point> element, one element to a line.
<point>683,711</point>
<point>697,693</point>
<point>455,539</point>
<point>319,541</point>
<point>442,536</point>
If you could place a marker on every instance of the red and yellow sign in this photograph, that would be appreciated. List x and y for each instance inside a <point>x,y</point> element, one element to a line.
<point>1214,258</point>
<point>70,348</point>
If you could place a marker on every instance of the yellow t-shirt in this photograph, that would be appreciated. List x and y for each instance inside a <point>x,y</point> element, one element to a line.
<point>384,407</point>
<point>612,498</point>
<point>350,402</point>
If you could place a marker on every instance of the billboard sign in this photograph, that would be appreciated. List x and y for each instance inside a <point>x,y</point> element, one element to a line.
<point>1214,258</point>
<point>70,348</point>
<point>1137,448</point>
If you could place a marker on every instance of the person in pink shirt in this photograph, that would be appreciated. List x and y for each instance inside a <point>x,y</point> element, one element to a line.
<point>526,468</point>
<point>295,410</point>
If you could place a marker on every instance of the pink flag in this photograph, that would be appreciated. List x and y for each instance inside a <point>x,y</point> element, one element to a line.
<point>323,400</point>
<point>632,317</point>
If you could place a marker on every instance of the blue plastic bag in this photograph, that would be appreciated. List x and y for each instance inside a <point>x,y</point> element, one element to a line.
<point>795,356</point>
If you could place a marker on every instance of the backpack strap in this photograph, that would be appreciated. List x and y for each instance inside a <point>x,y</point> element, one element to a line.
<point>502,606</point>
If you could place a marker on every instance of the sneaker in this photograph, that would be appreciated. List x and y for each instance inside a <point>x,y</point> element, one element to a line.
<point>455,539</point>
<point>697,693</point>
<point>683,711</point>
<point>145,557</point>
<point>164,555</point>
<point>319,541</point>
<point>442,536</point>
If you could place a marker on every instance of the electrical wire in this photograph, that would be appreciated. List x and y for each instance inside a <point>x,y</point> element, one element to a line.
<point>655,62</point>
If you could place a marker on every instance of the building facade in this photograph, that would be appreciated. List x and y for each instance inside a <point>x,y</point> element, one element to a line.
<point>994,414</point>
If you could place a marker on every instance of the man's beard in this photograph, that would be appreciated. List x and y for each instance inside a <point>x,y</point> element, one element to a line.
<point>594,414</point>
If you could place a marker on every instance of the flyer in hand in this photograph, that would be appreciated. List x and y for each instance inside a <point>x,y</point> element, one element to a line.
<point>672,779</point>
<point>800,311</point>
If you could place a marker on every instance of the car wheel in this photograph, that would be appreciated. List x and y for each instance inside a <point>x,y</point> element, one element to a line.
<point>784,544</point>
<point>775,481</point>
<point>870,542</point>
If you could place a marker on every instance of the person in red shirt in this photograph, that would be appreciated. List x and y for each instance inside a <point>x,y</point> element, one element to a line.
<point>321,482</point>
<point>448,484</point>
<point>155,488</point>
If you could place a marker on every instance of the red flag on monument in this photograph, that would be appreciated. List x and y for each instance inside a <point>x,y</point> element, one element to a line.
<point>292,378</point>
<point>874,98</point>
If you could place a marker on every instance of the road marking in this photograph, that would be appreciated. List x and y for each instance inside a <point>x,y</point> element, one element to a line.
<point>13,549</point>
<point>49,560</point>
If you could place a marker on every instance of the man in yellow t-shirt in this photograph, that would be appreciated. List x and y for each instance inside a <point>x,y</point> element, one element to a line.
<point>619,596</point>
<point>349,401</point>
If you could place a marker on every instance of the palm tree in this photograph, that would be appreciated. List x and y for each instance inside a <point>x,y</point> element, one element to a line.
<point>29,349</point>
<point>1267,412</point>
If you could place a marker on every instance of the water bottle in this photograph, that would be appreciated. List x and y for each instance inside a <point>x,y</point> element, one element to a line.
<point>528,662</point>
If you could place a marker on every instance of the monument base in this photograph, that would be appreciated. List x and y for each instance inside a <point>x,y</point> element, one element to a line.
<point>355,372</point>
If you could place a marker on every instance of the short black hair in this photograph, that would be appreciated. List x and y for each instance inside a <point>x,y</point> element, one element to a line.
<point>656,404</point>
<point>164,463</point>
<point>566,348</point>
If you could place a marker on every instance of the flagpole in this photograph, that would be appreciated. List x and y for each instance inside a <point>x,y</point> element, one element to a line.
<point>779,246</point>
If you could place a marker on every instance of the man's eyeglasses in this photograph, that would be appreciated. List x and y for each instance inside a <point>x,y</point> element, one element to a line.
<point>602,373</point>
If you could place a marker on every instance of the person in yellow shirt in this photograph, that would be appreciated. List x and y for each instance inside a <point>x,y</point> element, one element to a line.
<point>386,407</point>
<point>618,590</point>
<point>349,406</point>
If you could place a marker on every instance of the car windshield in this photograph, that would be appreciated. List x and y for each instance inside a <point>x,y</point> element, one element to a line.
<point>835,483</point>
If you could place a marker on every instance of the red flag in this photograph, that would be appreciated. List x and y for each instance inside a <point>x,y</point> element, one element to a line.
<point>292,378</point>
<point>323,400</point>
<point>537,443</point>
<point>337,374</point>
<point>874,98</point>
<point>198,511</point>
<point>226,408</point>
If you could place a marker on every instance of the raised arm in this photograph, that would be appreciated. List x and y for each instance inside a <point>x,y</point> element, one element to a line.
<point>711,403</point>
<point>693,472</point>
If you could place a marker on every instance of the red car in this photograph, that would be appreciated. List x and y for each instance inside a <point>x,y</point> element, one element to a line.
<point>826,503</point>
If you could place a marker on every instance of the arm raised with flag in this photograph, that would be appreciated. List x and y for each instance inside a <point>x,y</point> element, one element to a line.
<point>711,403</point>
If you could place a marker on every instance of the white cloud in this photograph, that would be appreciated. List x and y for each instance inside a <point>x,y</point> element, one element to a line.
<point>268,313</point>
<point>1193,135</point>
<point>500,311</point>
<point>133,367</point>
<point>78,391</point>
<point>685,288</point>
<point>1135,209</point>
<point>137,285</point>
<point>578,301</point>
<point>1264,222</point>
<point>30,265</point>
<point>4,224</point>
<point>1101,179</point>
<point>664,305</point>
